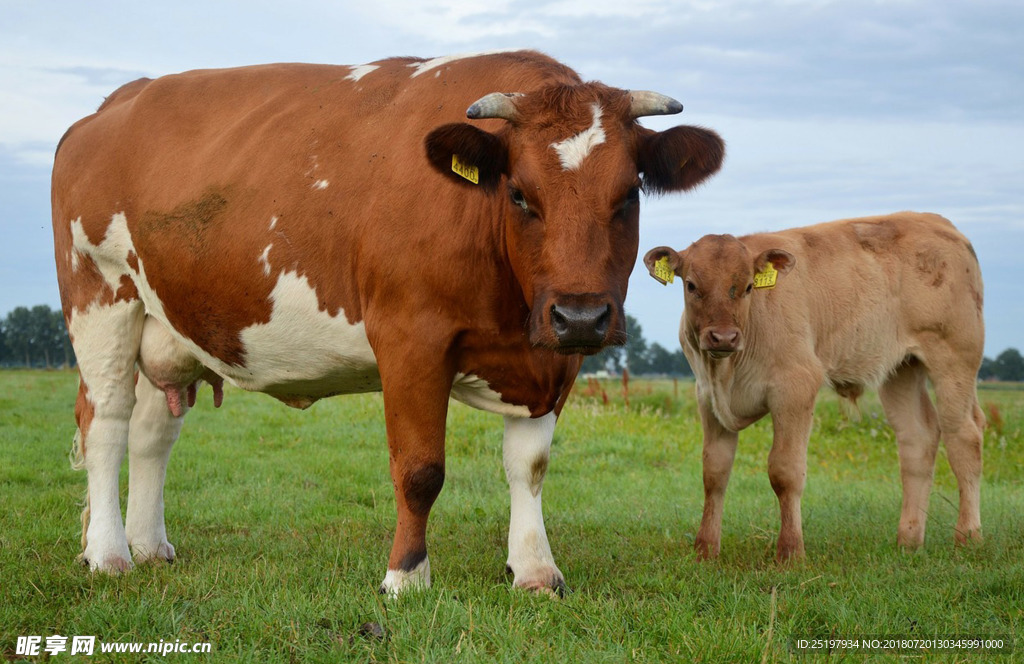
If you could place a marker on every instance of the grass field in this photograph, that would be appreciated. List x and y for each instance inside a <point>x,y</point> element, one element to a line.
<point>283,520</point>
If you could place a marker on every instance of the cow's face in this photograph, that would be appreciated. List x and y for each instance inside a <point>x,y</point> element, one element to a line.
<point>718,274</point>
<point>566,171</point>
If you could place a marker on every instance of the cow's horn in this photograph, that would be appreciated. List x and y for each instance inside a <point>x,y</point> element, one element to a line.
<point>495,105</point>
<point>652,103</point>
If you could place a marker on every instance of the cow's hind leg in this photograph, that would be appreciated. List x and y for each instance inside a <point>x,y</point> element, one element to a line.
<point>152,433</point>
<point>912,416</point>
<point>527,445</point>
<point>106,342</point>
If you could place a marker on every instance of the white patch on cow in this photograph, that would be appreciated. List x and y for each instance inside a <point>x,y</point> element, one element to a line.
<point>397,581</point>
<point>110,255</point>
<point>526,447</point>
<point>273,222</point>
<point>360,71</point>
<point>303,350</point>
<point>320,184</point>
<point>422,67</point>
<point>474,391</point>
<point>265,260</point>
<point>572,151</point>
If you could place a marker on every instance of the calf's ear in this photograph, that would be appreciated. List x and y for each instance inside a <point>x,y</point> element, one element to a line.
<point>467,155</point>
<point>672,258</point>
<point>781,260</point>
<point>678,159</point>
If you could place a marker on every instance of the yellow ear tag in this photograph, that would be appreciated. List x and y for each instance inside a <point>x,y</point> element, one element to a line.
<point>766,277</point>
<point>662,270</point>
<point>471,173</point>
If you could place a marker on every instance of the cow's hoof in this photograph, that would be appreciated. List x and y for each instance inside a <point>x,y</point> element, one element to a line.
<point>163,552</point>
<point>113,564</point>
<point>544,581</point>
<point>398,581</point>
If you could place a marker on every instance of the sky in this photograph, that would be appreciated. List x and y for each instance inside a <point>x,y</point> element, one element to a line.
<point>829,109</point>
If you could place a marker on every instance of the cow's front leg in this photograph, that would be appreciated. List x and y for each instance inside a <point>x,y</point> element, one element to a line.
<point>415,407</point>
<point>526,448</point>
<point>718,456</point>
<point>787,470</point>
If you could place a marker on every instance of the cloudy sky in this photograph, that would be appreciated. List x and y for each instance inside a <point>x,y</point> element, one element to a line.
<point>830,109</point>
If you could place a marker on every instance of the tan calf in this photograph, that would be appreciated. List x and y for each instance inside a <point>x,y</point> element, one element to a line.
<point>879,302</point>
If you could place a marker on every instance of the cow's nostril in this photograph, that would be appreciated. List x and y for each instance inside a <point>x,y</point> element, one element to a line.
<point>601,324</point>
<point>558,321</point>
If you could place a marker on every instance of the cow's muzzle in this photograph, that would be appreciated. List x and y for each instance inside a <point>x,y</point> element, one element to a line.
<point>578,324</point>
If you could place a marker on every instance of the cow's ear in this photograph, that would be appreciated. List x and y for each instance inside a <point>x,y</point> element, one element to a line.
<point>467,155</point>
<point>678,159</point>
<point>781,260</point>
<point>663,262</point>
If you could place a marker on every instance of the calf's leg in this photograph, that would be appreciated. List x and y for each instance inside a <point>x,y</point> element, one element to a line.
<point>719,453</point>
<point>787,471</point>
<point>526,447</point>
<point>962,423</point>
<point>910,412</point>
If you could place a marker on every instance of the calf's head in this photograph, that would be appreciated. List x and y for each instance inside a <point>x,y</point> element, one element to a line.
<point>564,168</point>
<point>720,277</point>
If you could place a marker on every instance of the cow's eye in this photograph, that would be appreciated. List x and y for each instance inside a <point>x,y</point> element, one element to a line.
<point>691,287</point>
<point>750,287</point>
<point>519,199</point>
<point>631,199</point>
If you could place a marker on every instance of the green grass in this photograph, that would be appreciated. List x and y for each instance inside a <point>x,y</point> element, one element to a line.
<point>283,520</point>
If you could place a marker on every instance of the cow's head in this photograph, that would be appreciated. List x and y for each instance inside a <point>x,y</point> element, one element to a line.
<point>720,276</point>
<point>566,168</point>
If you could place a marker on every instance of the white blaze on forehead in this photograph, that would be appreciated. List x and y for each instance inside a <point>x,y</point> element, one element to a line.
<point>572,151</point>
<point>360,71</point>
<point>422,67</point>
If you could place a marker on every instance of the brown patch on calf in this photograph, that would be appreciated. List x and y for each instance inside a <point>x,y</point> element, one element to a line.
<point>876,236</point>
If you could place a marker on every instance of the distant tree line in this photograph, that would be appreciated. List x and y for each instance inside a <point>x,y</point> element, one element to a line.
<point>37,338</point>
<point>638,356</point>
<point>1008,365</point>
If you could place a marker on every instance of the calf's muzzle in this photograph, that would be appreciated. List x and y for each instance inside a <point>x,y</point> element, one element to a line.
<point>721,341</point>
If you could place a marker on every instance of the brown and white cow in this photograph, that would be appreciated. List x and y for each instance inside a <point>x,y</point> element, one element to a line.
<point>307,231</point>
<point>880,302</point>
